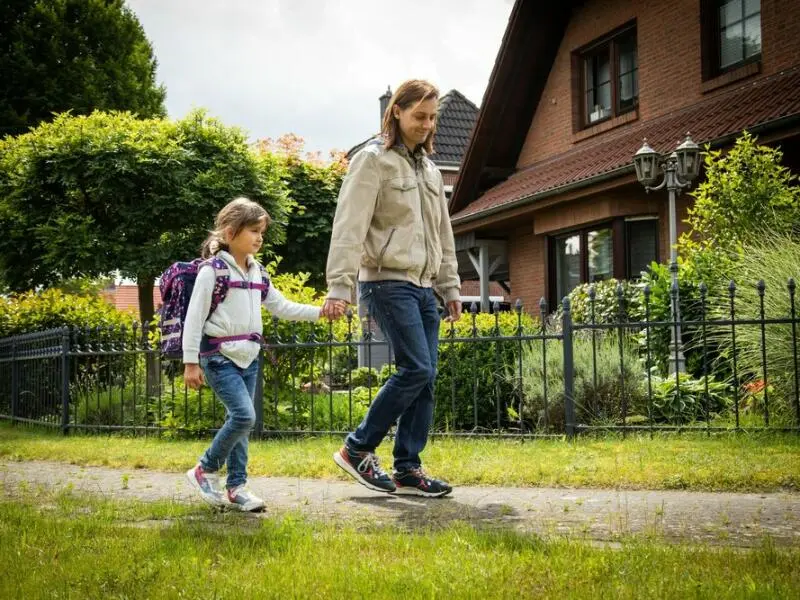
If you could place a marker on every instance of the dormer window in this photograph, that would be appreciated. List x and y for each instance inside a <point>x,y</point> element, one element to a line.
<point>609,77</point>
<point>731,35</point>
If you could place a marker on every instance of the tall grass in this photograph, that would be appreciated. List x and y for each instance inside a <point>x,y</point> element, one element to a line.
<point>773,260</point>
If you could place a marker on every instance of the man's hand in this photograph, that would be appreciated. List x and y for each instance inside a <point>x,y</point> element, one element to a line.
<point>333,308</point>
<point>193,376</point>
<point>453,311</point>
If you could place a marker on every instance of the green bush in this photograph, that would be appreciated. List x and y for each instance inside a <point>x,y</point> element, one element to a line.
<point>471,390</point>
<point>684,400</point>
<point>636,307</point>
<point>48,309</point>
<point>606,306</point>
<point>386,371</point>
<point>745,193</point>
<point>364,377</point>
<point>299,410</point>
<point>601,395</point>
<point>659,280</point>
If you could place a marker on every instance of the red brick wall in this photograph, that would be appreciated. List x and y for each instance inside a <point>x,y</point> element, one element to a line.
<point>126,297</point>
<point>670,69</point>
<point>449,177</point>
<point>526,264</point>
<point>473,288</point>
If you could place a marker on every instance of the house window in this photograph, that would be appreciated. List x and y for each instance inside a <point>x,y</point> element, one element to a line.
<point>641,246</point>
<point>610,76</point>
<point>622,249</point>
<point>568,264</point>
<point>583,256</point>
<point>732,34</point>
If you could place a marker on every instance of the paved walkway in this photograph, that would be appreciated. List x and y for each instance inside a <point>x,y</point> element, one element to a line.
<point>600,515</point>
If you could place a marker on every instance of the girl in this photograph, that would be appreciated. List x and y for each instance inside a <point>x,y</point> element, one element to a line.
<point>392,230</point>
<point>231,366</point>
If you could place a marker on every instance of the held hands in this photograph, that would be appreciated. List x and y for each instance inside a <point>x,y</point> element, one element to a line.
<point>193,376</point>
<point>453,311</point>
<point>333,309</point>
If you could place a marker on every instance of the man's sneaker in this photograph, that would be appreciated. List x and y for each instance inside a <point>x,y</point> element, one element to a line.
<point>364,468</point>
<point>415,482</point>
<point>242,499</point>
<point>207,485</point>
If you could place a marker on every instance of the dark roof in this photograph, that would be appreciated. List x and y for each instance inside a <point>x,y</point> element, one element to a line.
<point>755,106</point>
<point>529,47</point>
<point>457,116</point>
<point>359,146</point>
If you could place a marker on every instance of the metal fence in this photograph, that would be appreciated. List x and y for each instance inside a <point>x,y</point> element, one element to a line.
<point>499,375</point>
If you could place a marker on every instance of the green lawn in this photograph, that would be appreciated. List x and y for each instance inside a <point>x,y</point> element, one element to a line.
<point>69,546</point>
<point>743,462</point>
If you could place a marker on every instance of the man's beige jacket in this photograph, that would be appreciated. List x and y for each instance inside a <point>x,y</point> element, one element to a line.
<point>392,222</point>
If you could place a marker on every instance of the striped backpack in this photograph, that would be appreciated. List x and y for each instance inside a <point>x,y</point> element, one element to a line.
<point>176,286</point>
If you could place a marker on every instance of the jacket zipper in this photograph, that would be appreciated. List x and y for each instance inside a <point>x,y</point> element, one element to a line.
<point>385,247</point>
<point>422,216</point>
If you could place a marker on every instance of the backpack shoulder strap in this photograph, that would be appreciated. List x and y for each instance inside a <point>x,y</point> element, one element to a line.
<point>265,282</point>
<point>222,280</point>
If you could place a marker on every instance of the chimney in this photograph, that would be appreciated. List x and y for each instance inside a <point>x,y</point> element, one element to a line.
<point>384,101</point>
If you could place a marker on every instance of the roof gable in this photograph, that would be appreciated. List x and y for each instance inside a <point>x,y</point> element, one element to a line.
<point>529,47</point>
<point>457,116</point>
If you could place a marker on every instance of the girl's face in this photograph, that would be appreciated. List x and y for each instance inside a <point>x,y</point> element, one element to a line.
<point>248,240</point>
<point>417,121</point>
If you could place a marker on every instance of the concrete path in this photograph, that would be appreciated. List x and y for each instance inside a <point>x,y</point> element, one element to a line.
<point>600,515</point>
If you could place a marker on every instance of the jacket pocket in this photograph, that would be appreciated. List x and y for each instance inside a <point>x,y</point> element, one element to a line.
<point>402,184</point>
<point>385,247</point>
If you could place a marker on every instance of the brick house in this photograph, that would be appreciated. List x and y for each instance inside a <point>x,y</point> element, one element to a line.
<point>547,197</point>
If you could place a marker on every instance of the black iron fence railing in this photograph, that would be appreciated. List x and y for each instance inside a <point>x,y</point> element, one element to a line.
<point>505,374</point>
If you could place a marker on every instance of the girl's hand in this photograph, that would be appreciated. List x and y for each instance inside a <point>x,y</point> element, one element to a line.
<point>193,376</point>
<point>333,309</point>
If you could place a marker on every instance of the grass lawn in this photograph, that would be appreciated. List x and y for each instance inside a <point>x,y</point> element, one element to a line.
<point>70,546</point>
<point>730,462</point>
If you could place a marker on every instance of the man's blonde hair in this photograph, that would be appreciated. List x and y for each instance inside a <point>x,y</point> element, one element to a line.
<point>410,93</point>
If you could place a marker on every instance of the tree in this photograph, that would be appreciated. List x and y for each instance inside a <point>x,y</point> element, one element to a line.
<point>87,195</point>
<point>746,193</point>
<point>314,187</point>
<point>78,55</point>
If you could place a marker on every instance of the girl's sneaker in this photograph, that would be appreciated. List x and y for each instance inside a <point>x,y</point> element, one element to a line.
<point>207,485</point>
<point>240,498</point>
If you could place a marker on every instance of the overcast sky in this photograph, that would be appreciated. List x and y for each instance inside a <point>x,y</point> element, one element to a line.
<point>316,67</point>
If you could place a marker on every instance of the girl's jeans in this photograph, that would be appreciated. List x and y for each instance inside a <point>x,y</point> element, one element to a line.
<point>235,387</point>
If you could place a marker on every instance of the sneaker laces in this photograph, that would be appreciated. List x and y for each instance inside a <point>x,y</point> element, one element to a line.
<point>370,460</point>
<point>202,475</point>
<point>239,489</point>
<point>418,472</point>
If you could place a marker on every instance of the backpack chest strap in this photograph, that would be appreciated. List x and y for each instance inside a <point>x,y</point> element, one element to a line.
<point>248,285</point>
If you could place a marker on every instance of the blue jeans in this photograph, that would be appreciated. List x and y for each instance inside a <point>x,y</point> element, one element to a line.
<point>235,387</point>
<point>409,317</point>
